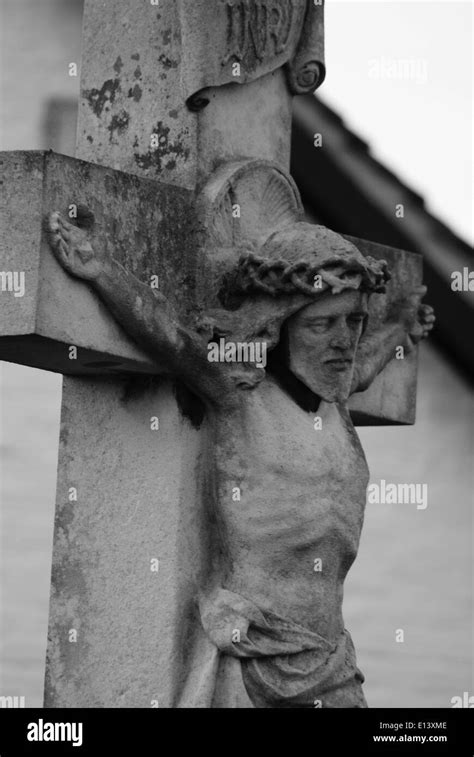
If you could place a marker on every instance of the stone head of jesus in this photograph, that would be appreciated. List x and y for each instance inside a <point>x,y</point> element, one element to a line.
<point>315,286</point>
<point>321,342</point>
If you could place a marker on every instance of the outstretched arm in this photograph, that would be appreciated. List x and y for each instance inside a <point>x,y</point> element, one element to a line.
<point>408,323</point>
<point>146,315</point>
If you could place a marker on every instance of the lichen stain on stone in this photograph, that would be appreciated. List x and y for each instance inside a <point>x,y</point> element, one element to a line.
<point>98,99</point>
<point>118,65</point>
<point>155,156</point>
<point>67,519</point>
<point>64,434</point>
<point>67,571</point>
<point>135,93</point>
<point>118,123</point>
<point>115,189</point>
<point>190,406</point>
<point>30,162</point>
<point>136,387</point>
<point>167,62</point>
<point>70,589</point>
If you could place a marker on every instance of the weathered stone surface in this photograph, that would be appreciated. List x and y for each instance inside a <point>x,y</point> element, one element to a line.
<point>260,36</point>
<point>56,311</point>
<point>158,85</point>
<point>136,503</point>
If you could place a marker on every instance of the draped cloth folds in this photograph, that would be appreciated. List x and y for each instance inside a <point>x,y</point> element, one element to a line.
<point>281,663</point>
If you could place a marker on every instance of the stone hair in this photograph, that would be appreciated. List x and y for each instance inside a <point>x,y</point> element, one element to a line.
<point>291,259</point>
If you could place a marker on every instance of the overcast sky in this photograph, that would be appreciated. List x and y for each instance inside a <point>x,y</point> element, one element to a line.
<point>420,126</point>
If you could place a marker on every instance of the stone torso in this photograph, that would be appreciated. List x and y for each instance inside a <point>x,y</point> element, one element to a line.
<point>293,534</point>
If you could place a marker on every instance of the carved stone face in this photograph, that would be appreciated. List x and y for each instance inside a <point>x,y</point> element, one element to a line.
<point>322,341</point>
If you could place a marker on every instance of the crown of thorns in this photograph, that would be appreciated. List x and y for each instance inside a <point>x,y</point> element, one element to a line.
<point>274,277</point>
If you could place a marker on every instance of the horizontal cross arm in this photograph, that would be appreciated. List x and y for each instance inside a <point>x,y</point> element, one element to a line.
<point>50,320</point>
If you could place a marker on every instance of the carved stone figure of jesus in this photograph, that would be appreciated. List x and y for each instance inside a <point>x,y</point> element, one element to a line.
<point>285,476</point>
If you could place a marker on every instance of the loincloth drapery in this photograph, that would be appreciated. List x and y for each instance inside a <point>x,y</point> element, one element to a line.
<point>281,663</point>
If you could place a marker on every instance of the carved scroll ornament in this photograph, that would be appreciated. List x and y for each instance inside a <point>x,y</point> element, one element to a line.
<point>239,41</point>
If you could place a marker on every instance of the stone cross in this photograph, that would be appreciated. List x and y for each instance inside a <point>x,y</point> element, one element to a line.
<point>182,162</point>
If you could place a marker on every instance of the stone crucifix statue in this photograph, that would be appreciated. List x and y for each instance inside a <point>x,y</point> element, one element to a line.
<point>284,478</point>
<point>211,484</point>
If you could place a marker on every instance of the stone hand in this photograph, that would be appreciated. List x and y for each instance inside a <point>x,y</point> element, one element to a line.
<point>417,318</point>
<point>72,248</point>
<point>425,323</point>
